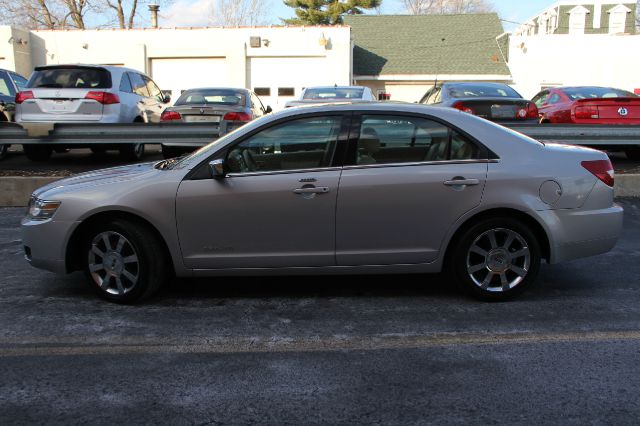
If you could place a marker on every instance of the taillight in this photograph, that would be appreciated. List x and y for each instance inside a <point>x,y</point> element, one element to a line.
<point>105,98</point>
<point>532,110</point>
<point>170,115</point>
<point>602,169</point>
<point>462,107</point>
<point>237,116</point>
<point>23,96</point>
<point>587,112</point>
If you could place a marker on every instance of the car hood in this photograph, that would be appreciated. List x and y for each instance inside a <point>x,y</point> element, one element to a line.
<point>98,177</point>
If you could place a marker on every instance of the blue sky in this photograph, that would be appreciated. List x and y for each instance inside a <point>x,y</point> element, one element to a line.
<point>195,12</point>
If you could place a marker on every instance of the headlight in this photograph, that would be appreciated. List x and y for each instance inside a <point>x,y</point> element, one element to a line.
<point>42,209</point>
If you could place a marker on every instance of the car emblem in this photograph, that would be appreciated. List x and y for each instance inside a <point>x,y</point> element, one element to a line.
<point>623,111</point>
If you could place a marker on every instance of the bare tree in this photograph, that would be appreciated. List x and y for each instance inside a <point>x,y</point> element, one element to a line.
<point>424,7</point>
<point>239,12</point>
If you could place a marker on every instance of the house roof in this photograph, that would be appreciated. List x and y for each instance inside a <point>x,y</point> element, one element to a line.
<point>413,44</point>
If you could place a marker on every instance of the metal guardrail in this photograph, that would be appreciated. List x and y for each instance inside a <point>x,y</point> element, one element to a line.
<point>195,134</point>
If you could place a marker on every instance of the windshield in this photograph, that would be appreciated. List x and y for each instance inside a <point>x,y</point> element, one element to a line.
<point>575,93</point>
<point>334,93</point>
<point>71,78</point>
<point>211,96</point>
<point>476,90</point>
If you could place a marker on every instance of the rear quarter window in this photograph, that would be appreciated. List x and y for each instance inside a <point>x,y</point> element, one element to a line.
<point>70,78</point>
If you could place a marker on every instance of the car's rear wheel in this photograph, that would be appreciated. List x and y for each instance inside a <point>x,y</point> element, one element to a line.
<point>125,261</point>
<point>496,259</point>
<point>132,152</point>
<point>37,152</point>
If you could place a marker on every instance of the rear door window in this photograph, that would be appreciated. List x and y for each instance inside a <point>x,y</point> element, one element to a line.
<point>70,78</point>
<point>19,80</point>
<point>386,139</point>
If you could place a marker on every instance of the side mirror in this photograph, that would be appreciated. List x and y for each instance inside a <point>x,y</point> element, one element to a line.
<point>268,110</point>
<point>217,168</point>
<point>166,99</point>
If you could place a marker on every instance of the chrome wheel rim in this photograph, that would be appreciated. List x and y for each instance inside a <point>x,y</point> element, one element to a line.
<point>113,263</point>
<point>498,260</point>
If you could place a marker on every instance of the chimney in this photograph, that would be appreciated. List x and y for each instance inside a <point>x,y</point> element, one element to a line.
<point>154,8</point>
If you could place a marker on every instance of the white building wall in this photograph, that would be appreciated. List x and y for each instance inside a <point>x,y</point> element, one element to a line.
<point>139,48</point>
<point>574,60</point>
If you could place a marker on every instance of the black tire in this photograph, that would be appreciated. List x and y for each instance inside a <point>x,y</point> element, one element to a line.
<point>496,264</point>
<point>132,152</point>
<point>3,150</point>
<point>170,151</point>
<point>633,153</point>
<point>37,152</point>
<point>150,267</point>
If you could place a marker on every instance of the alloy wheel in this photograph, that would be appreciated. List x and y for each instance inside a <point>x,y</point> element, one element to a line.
<point>113,263</point>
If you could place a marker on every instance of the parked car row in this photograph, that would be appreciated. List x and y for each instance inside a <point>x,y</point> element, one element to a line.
<point>113,94</point>
<point>572,105</point>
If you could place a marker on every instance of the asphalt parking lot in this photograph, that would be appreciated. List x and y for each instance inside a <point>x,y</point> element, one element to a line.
<point>330,350</point>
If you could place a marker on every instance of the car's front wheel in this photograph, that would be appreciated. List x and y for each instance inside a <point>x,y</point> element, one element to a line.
<point>125,261</point>
<point>496,259</point>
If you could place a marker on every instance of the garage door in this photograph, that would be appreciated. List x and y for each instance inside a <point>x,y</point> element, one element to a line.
<point>278,80</point>
<point>179,74</point>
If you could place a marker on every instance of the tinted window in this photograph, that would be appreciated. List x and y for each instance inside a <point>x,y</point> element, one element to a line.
<point>6,88</point>
<point>575,93</point>
<point>299,144</point>
<point>554,99</point>
<point>125,84</point>
<point>334,93</point>
<point>71,78</point>
<point>396,139</point>
<point>138,85</point>
<point>478,90</point>
<point>212,96</point>
<point>19,80</point>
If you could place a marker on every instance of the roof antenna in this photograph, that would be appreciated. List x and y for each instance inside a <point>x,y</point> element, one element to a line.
<point>435,83</point>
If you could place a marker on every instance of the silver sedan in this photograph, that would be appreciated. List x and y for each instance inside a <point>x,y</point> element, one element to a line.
<point>334,189</point>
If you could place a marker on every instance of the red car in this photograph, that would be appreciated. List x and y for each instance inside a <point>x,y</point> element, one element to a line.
<point>587,105</point>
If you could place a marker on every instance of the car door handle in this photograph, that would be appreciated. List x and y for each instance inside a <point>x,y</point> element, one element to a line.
<point>461,182</point>
<point>314,190</point>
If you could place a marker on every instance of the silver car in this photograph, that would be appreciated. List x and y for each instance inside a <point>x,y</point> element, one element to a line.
<point>88,94</point>
<point>330,94</point>
<point>224,108</point>
<point>342,189</point>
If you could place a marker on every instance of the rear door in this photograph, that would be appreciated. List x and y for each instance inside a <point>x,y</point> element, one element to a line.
<point>155,102</point>
<point>411,178</point>
<point>65,94</point>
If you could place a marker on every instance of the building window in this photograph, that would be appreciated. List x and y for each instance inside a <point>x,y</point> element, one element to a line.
<point>577,20</point>
<point>618,19</point>
<point>286,91</point>
<point>262,91</point>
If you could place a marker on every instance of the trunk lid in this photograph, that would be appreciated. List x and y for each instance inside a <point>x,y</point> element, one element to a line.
<point>621,110</point>
<point>496,109</point>
<point>54,104</point>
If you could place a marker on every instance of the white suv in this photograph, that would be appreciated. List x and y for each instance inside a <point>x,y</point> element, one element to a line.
<point>88,94</point>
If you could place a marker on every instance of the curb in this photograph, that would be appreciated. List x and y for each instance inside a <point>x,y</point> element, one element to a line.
<point>15,190</point>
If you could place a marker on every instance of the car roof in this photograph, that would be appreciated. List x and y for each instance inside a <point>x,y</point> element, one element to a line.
<point>334,87</point>
<point>110,68</point>
<point>474,83</point>
<point>240,89</point>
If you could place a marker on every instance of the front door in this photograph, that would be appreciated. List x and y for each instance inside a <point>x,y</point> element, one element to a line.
<point>275,207</point>
<point>412,179</point>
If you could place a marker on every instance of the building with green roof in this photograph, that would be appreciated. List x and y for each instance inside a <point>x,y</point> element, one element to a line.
<point>404,55</point>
